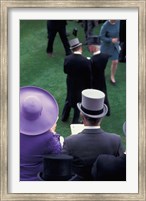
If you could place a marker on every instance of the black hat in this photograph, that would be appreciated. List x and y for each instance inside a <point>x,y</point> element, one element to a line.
<point>56,167</point>
<point>93,40</point>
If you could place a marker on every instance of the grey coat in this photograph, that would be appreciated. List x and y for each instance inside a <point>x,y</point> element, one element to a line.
<point>107,32</point>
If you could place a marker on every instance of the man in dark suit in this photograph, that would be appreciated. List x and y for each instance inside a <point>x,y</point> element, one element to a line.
<point>99,62</point>
<point>78,70</point>
<point>92,141</point>
<point>109,167</point>
<point>54,27</point>
<point>122,55</point>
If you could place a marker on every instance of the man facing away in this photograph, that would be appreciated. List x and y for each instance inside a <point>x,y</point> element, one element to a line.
<point>78,70</point>
<point>98,65</point>
<point>109,167</point>
<point>92,141</point>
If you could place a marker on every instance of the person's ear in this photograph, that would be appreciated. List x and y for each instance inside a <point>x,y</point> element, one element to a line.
<point>83,117</point>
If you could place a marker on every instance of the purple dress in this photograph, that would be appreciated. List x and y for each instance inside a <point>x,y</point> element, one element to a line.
<point>32,149</point>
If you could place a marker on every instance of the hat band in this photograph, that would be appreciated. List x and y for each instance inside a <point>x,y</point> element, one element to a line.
<point>75,45</point>
<point>91,112</point>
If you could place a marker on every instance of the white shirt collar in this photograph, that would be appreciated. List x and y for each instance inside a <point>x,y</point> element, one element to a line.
<point>77,52</point>
<point>91,127</point>
<point>98,52</point>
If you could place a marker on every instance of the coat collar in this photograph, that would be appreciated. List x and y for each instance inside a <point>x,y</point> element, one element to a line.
<point>92,131</point>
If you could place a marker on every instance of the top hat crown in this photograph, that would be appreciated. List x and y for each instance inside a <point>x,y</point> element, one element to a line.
<point>93,40</point>
<point>56,167</point>
<point>92,104</point>
<point>74,43</point>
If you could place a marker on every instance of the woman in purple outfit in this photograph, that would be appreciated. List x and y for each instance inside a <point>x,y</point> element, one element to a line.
<point>38,117</point>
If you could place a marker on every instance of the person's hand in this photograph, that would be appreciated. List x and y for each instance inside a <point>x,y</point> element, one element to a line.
<point>115,40</point>
<point>61,140</point>
<point>53,129</point>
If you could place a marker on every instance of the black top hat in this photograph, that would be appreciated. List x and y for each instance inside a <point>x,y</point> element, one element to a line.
<point>56,167</point>
<point>93,40</point>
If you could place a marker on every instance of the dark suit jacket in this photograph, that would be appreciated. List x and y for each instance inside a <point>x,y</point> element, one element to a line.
<point>99,62</point>
<point>98,66</point>
<point>109,168</point>
<point>78,70</point>
<point>87,145</point>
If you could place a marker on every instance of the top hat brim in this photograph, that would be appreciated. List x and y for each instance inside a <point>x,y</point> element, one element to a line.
<point>48,116</point>
<point>105,110</point>
<point>73,47</point>
<point>53,178</point>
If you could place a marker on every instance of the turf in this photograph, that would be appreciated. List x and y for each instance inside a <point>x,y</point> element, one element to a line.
<point>37,69</point>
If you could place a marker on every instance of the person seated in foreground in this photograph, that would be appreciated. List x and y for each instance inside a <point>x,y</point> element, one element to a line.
<point>92,141</point>
<point>109,167</point>
<point>38,117</point>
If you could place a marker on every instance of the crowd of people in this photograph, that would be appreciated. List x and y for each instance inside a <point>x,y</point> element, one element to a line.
<point>92,154</point>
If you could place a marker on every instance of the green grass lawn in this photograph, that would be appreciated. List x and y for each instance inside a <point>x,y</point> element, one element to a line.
<point>37,69</point>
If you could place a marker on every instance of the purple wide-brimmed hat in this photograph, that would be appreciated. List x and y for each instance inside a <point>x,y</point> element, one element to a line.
<point>38,110</point>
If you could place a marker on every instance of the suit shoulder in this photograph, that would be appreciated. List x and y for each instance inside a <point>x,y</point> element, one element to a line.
<point>72,137</point>
<point>113,136</point>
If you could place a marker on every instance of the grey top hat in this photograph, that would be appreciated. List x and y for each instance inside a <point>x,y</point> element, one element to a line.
<point>93,40</point>
<point>92,104</point>
<point>74,43</point>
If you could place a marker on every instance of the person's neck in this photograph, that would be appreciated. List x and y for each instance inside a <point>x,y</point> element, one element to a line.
<point>78,52</point>
<point>96,52</point>
<point>90,125</point>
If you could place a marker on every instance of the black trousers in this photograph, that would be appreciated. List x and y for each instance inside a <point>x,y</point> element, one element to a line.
<point>51,37</point>
<point>66,113</point>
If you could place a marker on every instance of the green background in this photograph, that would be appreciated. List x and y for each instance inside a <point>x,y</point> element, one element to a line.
<point>37,69</point>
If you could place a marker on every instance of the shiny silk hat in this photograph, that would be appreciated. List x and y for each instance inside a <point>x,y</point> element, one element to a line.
<point>38,110</point>
<point>92,104</point>
<point>74,43</point>
<point>56,167</point>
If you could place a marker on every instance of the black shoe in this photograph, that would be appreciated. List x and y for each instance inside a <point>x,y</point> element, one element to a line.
<point>113,83</point>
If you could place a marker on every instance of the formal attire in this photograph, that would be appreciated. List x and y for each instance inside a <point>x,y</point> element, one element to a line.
<point>87,145</point>
<point>107,32</point>
<point>88,27</point>
<point>54,27</point>
<point>32,150</point>
<point>109,168</point>
<point>99,61</point>
<point>122,56</point>
<point>78,70</point>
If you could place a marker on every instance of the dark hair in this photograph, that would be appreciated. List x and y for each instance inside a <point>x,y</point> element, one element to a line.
<point>92,121</point>
<point>76,48</point>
